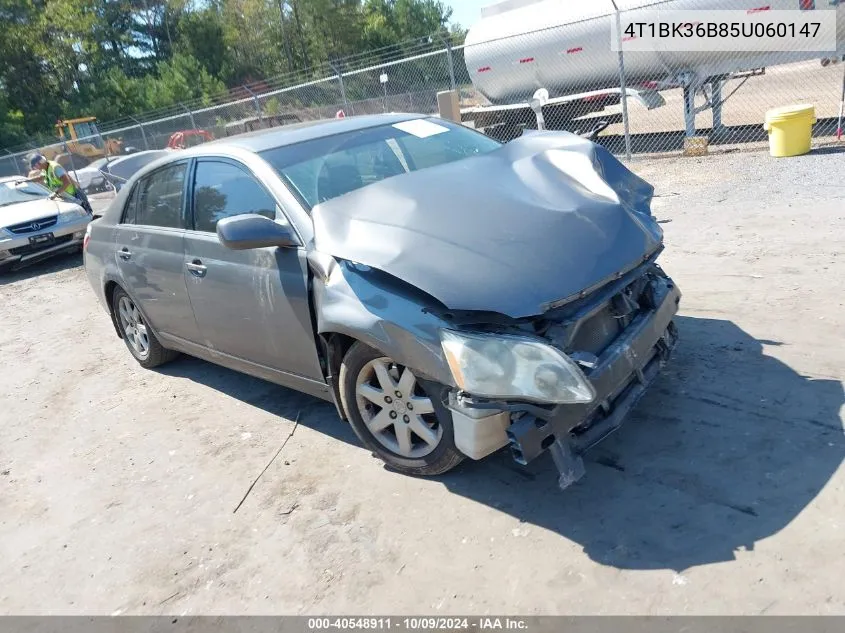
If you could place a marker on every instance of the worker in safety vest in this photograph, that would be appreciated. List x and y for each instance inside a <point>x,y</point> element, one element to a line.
<point>56,178</point>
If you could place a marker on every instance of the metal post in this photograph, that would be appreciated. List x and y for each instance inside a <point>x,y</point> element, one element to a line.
<point>339,76</point>
<point>143,134</point>
<point>383,79</point>
<point>257,106</point>
<point>716,106</point>
<point>689,108</point>
<point>190,114</point>
<point>622,83</point>
<point>16,163</point>
<point>72,163</point>
<point>450,60</point>
<point>540,98</point>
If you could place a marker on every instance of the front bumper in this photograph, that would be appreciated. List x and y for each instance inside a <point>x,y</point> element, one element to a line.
<point>620,377</point>
<point>17,250</point>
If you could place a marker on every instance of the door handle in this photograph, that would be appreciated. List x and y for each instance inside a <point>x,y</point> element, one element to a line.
<point>196,268</point>
<point>124,253</point>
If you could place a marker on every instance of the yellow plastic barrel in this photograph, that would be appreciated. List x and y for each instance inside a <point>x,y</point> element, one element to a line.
<point>790,130</point>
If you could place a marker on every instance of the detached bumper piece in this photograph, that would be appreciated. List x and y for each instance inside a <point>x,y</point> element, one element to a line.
<point>620,375</point>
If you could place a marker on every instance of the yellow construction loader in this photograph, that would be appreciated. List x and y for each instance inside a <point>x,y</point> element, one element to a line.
<point>81,143</point>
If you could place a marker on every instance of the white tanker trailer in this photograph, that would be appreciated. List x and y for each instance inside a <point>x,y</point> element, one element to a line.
<point>564,47</point>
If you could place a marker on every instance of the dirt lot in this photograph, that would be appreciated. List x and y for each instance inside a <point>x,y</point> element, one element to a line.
<point>725,492</point>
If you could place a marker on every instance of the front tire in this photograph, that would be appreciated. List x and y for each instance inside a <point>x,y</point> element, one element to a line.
<point>139,338</point>
<point>396,416</point>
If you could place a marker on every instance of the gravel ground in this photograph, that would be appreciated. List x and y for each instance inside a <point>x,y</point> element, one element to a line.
<point>724,493</point>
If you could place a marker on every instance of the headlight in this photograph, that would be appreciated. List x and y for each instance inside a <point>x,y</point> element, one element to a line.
<point>501,366</point>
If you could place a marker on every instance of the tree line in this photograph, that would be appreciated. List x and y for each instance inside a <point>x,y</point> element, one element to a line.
<point>112,58</point>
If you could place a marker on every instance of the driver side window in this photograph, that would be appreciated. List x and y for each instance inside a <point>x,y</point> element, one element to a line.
<point>222,190</point>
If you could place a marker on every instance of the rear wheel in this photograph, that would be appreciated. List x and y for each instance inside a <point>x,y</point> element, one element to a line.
<point>401,420</point>
<point>139,338</point>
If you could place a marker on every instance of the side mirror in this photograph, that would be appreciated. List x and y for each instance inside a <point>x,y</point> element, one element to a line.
<point>243,232</point>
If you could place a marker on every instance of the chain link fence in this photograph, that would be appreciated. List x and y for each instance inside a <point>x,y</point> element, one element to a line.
<point>670,99</point>
<point>674,99</point>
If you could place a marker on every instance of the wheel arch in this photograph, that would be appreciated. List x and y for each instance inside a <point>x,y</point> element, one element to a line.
<point>108,293</point>
<point>381,312</point>
<point>109,290</point>
<point>334,348</point>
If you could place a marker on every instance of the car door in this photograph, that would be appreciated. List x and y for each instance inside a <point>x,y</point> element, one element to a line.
<point>253,304</point>
<point>150,252</point>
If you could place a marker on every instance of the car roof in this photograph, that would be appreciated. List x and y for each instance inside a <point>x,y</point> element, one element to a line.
<point>271,138</point>
<point>116,160</point>
<point>260,140</point>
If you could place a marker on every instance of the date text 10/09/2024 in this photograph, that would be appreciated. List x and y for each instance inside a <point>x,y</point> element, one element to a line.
<point>418,624</point>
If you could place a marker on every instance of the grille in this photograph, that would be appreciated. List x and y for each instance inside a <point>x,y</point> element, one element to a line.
<point>29,249</point>
<point>597,333</point>
<point>30,226</point>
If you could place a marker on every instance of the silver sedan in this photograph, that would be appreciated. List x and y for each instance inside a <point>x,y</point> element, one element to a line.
<point>33,226</point>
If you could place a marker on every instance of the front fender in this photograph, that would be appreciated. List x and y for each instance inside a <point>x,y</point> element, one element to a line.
<point>385,313</point>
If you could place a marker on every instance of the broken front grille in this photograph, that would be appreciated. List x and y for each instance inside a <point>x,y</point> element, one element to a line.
<point>597,332</point>
<point>31,226</point>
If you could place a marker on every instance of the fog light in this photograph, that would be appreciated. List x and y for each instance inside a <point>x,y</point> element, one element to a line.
<point>78,235</point>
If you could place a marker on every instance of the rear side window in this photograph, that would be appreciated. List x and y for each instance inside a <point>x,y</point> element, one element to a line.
<point>160,197</point>
<point>222,190</point>
<point>129,209</point>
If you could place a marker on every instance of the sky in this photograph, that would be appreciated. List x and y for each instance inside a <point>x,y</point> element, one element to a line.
<point>467,12</point>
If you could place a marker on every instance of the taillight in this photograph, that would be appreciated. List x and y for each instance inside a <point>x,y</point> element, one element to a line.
<point>86,238</point>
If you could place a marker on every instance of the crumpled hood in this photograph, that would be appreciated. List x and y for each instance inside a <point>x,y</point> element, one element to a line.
<point>515,231</point>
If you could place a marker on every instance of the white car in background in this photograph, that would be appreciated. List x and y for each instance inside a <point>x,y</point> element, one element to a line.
<point>34,226</point>
<point>118,170</point>
<point>91,178</point>
<point>109,173</point>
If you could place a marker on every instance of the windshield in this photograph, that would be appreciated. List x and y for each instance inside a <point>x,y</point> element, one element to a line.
<point>328,167</point>
<point>86,129</point>
<point>88,133</point>
<point>24,192</point>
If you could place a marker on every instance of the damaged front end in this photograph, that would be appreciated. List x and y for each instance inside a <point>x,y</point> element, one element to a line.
<point>544,249</point>
<point>620,337</point>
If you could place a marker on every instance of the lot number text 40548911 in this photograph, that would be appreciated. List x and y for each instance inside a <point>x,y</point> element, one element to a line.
<point>418,624</point>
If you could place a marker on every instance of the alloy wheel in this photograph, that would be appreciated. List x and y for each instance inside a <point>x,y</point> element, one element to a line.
<point>396,410</point>
<point>134,328</point>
